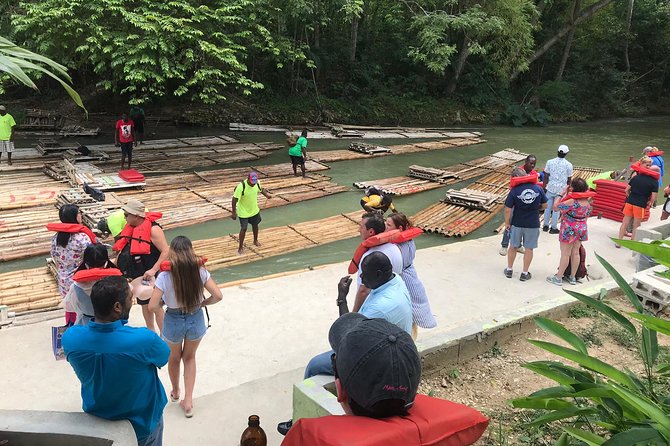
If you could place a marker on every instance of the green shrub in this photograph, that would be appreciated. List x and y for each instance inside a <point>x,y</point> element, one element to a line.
<point>525,114</point>
<point>556,96</point>
<point>597,402</point>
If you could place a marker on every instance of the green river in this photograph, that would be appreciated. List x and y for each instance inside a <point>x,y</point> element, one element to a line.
<point>603,144</point>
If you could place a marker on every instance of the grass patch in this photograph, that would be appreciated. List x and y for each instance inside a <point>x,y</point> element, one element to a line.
<point>496,351</point>
<point>591,335</point>
<point>580,311</point>
<point>623,337</point>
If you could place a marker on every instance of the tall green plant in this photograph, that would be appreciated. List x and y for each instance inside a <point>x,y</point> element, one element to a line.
<point>600,403</point>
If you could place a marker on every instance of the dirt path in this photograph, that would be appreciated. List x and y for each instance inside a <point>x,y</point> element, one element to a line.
<point>489,381</point>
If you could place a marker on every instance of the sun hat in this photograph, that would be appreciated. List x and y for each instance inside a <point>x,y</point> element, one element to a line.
<point>563,149</point>
<point>2,107</point>
<point>134,207</point>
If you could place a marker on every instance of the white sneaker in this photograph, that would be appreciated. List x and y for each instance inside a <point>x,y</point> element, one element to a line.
<point>521,250</point>
<point>503,251</point>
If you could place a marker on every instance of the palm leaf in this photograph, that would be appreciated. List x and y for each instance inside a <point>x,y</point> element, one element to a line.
<point>606,310</point>
<point>623,284</point>
<point>589,438</point>
<point>559,330</point>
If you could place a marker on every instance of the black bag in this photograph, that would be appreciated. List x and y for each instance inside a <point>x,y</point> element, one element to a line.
<point>581,269</point>
<point>97,194</point>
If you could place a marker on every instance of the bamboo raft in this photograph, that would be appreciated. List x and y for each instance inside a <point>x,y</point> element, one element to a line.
<point>431,178</point>
<point>184,199</point>
<point>36,288</point>
<point>27,189</point>
<point>326,156</point>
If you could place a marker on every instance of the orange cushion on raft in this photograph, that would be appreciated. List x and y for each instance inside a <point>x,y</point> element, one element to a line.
<point>131,176</point>
<point>431,422</point>
<point>611,183</point>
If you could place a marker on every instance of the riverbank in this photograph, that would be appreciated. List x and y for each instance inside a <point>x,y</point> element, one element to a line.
<point>244,369</point>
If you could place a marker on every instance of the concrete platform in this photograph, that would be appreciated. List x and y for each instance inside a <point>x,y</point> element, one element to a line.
<point>263,333</point>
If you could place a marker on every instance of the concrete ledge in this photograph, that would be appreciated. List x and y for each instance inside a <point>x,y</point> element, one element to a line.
<point>658,232</point>
<point>315,397</point>
<point>27,427</point>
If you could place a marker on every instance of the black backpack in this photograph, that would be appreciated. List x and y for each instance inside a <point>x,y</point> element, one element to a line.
<point>244,185</point>
<point>581,269</point>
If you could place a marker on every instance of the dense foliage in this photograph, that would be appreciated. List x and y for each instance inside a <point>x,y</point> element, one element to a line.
<point>565,58</point>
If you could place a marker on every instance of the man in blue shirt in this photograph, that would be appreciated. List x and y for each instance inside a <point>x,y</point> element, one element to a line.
<point>117,365</point>
<point>389,300</point>
<point>525,200</point>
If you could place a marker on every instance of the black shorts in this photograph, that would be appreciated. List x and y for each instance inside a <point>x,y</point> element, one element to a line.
<point>297,160</point>
<point>126,148</point>
<point>254,220</point>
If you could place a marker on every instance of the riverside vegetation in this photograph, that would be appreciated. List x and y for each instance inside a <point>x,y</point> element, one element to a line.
<point>385,61</point>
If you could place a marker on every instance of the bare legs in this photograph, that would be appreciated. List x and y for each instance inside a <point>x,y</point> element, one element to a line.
<point>624,225</point>
<point>242,235</point>
<point>254,229</point>
<point>183,352</point>
<point>527,258</point>
<point>150,317</point>
<point>569,254</point>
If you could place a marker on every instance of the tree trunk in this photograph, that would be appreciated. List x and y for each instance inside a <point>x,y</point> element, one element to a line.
<point>568,44</point>
<point>460,63</point>
<point>629,18</point>
<point>354,39</point>
<point>585,14</point>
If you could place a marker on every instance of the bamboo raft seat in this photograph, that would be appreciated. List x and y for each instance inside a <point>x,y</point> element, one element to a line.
<point>37,288</point>
<point>368,149</point>
<point>81,173</point>
<point>472,199</point>
<point>326,156</point>
<point>431,174</point>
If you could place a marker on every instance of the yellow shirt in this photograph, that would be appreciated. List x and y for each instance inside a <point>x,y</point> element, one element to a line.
<point>6,124</point>
<point>247,204</point>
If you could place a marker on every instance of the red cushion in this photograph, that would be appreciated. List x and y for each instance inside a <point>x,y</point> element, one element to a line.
<point>431,422</point>
<point>131,176</point>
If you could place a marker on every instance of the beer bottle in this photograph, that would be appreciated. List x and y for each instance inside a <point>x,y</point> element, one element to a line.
<point>254,435</point>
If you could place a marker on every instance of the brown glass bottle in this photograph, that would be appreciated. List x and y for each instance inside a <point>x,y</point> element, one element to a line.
<point>254,435</point>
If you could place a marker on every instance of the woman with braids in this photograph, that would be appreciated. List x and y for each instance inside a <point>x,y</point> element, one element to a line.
<point>422,315</point>
<point>67,248</point>
<point>180,285</point>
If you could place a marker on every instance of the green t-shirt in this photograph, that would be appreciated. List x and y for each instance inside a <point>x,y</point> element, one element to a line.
<point>601,176</point>
<point>116,221</point>
<point>6,124</point>
<point>296,150</point>
<point>247,204</point>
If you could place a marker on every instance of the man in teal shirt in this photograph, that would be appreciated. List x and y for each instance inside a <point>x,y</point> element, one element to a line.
<point>7,125</point>
<point>118,365</point>
<point>245,205</point>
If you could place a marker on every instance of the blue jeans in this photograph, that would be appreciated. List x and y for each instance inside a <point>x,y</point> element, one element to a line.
<point>155,438</point>
<point>320,365</point>
<point>551,197</point>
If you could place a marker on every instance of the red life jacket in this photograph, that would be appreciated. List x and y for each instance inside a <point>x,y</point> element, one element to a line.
<point>655,153</point>
<point>139,236</point>
<point>430,422</point>
<point>645,171</point>
<point>72,228</point>
<point>579,195</point>
<point>94,274</point>
<point>532,178</point>
<point>167,266</point>
<point>394,236</point>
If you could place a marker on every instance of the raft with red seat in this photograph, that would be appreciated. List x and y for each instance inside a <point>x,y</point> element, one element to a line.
<point>131,176</point>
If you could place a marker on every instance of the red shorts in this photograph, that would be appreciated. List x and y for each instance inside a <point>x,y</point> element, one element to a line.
<point>630,210</point>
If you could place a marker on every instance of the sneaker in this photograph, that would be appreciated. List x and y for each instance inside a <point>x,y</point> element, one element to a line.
<point>555,280</point>
<point>521,250</point>
<point>284,427</point>
<point>572,280</point>
<point>508,273</point>
<point>553,231</point>
<point>545,228</point>
<point>503,251</point>
<point>525,276</point>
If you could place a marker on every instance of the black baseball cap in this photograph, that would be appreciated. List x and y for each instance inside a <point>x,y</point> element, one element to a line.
<point>375,360</point>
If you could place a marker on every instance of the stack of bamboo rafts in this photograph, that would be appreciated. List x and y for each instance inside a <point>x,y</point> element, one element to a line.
<point>326,156</point>
<point>421,178</point>
<point>577,172</point>
<point>37,289</point>
<point>27,189</point>
<point>185,199</point>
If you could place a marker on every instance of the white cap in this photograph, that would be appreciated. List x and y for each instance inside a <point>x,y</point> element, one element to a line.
<point>563,149</point>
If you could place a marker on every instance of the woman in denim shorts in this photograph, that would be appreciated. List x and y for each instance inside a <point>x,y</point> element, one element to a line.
<point>180,285</point>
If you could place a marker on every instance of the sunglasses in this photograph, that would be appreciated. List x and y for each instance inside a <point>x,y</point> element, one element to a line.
<point>333,358</point>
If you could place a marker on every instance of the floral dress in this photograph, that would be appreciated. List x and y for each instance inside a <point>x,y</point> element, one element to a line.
<point>573,222</point>
<point>68,259</point>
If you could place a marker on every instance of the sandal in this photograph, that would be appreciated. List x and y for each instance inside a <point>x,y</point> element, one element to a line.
<point>188,413</point>
<point>173,398</point>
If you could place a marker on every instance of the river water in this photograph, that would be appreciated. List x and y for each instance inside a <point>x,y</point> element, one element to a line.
<point>603,144</point>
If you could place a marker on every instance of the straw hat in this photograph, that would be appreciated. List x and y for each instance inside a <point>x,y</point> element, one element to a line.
<point>134,207</point>
<point>140,290</point>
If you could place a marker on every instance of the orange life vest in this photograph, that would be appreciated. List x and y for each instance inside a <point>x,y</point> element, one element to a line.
<point>430,422</point>
<point>95,274</point>
<point>531,178</point>
<point>167,266</point>
<point>139,236</point>
<point>655,153</point>
<point>72,228</point>
<point>645,171</point>
<point>394,236</point>
<point>579,195</point>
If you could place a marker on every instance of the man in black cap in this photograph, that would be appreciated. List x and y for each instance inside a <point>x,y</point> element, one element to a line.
<point>377,371</point>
